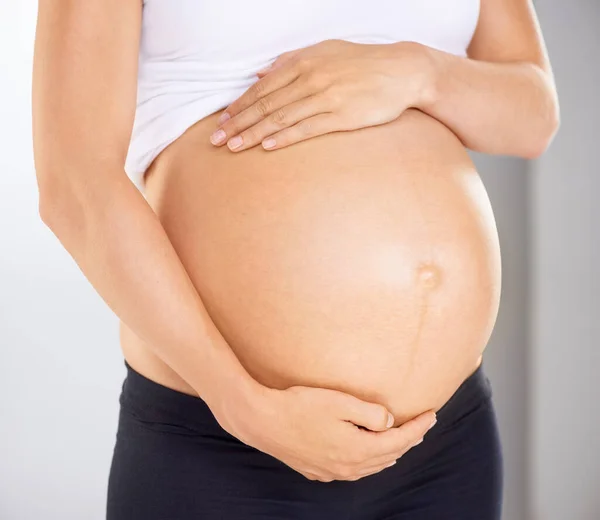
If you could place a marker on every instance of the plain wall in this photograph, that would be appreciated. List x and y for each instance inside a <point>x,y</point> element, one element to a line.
<point>565,306</point>
<point>506,357</point>
<point>60,365</point>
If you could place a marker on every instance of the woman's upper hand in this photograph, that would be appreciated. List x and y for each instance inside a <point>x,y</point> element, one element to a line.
<point>331,86</point>
<point>316,431</point>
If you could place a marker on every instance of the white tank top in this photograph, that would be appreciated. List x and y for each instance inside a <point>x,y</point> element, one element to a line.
<point>197,56</point>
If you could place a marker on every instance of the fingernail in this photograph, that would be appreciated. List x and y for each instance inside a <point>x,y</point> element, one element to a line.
<point>390,465</point>
<point>432,424</point>
<point>217,137</point>
<point>235,142</point>
<point>390,420</point>
<point>269,143</point>
<point>418,442</point>
<point>223,117</point>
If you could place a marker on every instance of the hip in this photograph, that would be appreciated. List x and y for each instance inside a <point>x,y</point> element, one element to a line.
<point>173,460</point>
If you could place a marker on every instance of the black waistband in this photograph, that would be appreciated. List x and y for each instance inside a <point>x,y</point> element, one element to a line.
<point>153,402</point>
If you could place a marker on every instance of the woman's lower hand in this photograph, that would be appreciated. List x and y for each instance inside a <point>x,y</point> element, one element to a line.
<point>316,431</point>
<point>331,86</point>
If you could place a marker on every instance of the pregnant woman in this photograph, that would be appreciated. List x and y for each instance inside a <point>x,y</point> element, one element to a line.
<point>276,200</point>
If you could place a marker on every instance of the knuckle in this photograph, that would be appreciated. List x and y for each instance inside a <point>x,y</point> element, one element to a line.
<point>314,79</point>
<point>250,136</point>
<point>296,390</point>
<point>309,127</point>
<point>306,128</point>
<point>230,128</point>
<point>280,117</point>
<point>257,89</point>
<point>404,446</point>
<point>303,63</point>
<point>233,130</point>
<point>334,98</point>
<point>263,106</point>
<point>332,43</point>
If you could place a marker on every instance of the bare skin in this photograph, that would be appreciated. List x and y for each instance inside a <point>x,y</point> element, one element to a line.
<point>320,286</point>
<point>500,99</point>
<point>366,261</point>
<point>84,88</point>
<point>359,262</point>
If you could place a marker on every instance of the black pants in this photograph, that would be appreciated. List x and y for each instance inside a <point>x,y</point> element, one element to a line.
<point>172,461</point>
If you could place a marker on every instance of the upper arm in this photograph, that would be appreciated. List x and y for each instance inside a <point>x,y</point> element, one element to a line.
<point>508,30</point>
<point>84,84</point>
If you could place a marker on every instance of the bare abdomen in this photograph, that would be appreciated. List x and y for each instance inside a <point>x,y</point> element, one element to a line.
<point>366,261</point>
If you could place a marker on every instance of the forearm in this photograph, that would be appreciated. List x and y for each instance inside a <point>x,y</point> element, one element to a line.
<point>497,108</point>
<point>121,247</point>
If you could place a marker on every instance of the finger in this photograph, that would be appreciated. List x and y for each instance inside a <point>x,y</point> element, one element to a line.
<point>279,78</point>
<point>279,109</point>
<point>372,416</point>
<point>308,475</point>
<point>265,106</point>
<point>318,124</point>
<point>280,119</point>
<point>372,470</point>
<point>323,477</point>
<point>400,439</point>
<point>390,458</point>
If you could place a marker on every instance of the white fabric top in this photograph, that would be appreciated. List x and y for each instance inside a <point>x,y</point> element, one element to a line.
<point>197,57</point>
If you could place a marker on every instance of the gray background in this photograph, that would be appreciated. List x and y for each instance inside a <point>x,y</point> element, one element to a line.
<point>61,368</point>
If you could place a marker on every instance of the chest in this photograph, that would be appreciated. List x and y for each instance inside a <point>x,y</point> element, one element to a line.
<point>237,30</point>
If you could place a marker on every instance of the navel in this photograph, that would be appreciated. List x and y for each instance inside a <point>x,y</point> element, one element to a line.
<point>429,275</point>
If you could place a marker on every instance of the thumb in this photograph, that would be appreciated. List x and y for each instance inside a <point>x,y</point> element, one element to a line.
<point>372,416</point>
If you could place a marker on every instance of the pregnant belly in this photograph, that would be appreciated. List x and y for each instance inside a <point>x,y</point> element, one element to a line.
<point>365,261</point>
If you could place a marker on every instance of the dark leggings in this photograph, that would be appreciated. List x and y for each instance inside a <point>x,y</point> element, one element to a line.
<point>172,461</point>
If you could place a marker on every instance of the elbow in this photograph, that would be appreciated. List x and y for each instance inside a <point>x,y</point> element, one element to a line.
<point>47,209</point>
<point>68,198</point>
<point>548,130</point>
<point>47,198</point>
<point>70,189</point>
<point>55,199</point>
<point>62,211</point>
<point>539,147</point>
<point>48,183</point>
<point>547,127</point>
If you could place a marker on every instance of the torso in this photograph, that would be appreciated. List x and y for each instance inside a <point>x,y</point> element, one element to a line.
<point>198,56</point>
<point>366,261</point>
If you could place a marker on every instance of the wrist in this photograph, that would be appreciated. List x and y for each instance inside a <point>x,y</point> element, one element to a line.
<point>238,403</point>
<point>425,71</point>
<point>231,390</point>
<point>252,412</point>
